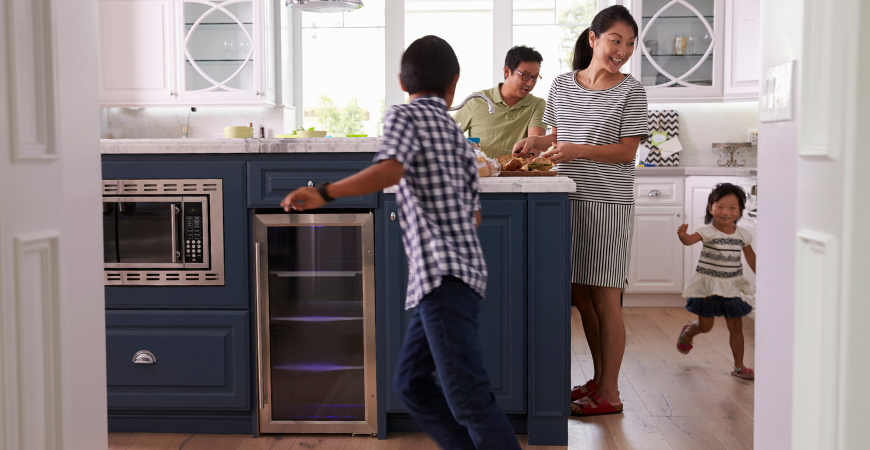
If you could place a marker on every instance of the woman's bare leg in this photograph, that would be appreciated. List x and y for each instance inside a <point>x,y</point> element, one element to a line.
<point>581,297</point>
<point>605,300</point>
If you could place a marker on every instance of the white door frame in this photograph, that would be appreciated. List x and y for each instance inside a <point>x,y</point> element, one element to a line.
<point>52,334</point>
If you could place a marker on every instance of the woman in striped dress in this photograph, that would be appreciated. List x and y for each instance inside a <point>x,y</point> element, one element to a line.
<point>598,118</point>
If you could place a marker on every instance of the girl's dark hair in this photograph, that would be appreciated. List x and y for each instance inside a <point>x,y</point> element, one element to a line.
<point>600,24</point>
<point>719,192</point>
<point>429,65</point>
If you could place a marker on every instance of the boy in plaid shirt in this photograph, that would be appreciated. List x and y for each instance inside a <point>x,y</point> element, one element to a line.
<point>424,152</point>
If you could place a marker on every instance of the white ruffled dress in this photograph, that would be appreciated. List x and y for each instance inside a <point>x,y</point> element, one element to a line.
<point>720,268</point>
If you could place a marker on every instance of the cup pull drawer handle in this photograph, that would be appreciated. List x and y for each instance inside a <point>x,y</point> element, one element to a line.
<point>144,357</point>
<point>655,193</point>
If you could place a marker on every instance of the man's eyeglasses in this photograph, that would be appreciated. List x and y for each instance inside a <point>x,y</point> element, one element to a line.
<point>525,77</point>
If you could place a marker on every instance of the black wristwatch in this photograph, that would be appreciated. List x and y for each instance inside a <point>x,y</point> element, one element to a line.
<point>321,189</point>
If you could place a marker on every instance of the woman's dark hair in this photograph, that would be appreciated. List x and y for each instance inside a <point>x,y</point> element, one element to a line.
<point>521,54</point>
<point>429,65</point>
<point>600,24</point>
<point>721,191</point>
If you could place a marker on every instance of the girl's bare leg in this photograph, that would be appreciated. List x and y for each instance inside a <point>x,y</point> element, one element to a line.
<point>703,325</point>
<point>735,327</point>
<point>581,297</point>
<point>612,339</point>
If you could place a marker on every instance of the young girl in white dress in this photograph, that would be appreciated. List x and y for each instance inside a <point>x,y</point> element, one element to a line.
<point>718,282</point>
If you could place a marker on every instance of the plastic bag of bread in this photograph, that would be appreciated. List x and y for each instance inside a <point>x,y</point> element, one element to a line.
<point>487,167</point>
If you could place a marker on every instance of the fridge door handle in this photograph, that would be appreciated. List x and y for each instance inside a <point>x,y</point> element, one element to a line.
<point>258,324</point>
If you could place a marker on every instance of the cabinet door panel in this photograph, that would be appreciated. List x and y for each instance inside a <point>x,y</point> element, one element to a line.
<point>743,54</point>
<point>201,359</point>
<point>502,314</point>
<point>269,183</point>
<point>656,252</point>
<point>136,51</point>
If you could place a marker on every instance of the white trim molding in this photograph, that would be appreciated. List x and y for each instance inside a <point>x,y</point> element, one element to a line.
<point>31,80</point>
<point>819,343</point>
<point>37,339</point>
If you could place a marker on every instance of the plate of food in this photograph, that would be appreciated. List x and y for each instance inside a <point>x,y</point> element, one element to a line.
<point>511,166</point>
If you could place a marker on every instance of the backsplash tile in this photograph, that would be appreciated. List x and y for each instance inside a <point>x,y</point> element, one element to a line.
<point>702,124</point>
<point>147,123</point>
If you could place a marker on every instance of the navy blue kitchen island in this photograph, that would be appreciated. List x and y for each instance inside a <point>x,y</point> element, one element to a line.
<point>204,338</point>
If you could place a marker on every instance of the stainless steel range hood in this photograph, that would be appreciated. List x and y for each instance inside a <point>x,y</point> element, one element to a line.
<point>325,6</point>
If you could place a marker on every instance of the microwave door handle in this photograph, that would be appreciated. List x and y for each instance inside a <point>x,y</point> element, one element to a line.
<point>173,212</point>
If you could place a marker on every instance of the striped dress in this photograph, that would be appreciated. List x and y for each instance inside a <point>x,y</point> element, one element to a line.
<point>603,204</point>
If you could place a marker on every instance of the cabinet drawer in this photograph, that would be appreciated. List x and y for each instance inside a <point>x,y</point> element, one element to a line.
<point>200,359</point>
<point>270,182</point>
<point>658,191</point>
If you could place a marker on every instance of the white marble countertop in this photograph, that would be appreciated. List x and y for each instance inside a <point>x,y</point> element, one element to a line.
<point>187,146</point>
<point>524,185</point>
<point>680,171</point>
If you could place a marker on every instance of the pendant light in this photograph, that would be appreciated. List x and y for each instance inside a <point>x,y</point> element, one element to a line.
<point>325,6</point>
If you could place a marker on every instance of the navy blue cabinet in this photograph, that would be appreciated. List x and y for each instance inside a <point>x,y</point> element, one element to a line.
<point>270,182</point>
<point>502,314</point>
<point>198,360</point>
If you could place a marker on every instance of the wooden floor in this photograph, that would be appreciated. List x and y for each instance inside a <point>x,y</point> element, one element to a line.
<point>671,401</point>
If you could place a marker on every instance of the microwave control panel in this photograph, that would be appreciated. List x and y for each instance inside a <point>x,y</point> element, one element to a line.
<point>193,232</point>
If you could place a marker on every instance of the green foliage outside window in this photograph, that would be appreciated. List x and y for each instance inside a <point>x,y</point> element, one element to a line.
<point>335,120</point>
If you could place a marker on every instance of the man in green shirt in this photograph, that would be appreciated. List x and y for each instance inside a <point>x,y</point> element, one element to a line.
<point>518,114</point>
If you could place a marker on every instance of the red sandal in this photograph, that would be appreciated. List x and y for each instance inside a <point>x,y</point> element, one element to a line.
<point>682,347</point>
<point>603,407</point>
<point>577,393</point>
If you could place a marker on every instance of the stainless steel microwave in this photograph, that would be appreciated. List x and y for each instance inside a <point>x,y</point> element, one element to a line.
<point>163,232</point>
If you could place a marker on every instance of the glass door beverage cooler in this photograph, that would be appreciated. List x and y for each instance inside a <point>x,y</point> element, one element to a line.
<point>315,320</point>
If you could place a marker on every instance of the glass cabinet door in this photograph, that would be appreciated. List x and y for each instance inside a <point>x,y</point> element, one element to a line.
<point>678,43</point>
<point>315,304</point>
<point>218,47</point>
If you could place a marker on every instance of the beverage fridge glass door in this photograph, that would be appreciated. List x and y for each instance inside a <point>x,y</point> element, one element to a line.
<point>316,307</point>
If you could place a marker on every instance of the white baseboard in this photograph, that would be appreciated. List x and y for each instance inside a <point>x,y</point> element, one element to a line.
<point>670,300</point>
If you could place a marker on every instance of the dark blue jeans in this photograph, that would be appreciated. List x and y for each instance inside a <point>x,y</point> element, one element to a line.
<point>444,335</point>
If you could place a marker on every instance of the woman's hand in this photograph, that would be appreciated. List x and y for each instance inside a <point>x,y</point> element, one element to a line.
<point>563,152</point>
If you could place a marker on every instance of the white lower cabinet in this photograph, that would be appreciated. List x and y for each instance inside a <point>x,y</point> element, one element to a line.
<point>656,254</point>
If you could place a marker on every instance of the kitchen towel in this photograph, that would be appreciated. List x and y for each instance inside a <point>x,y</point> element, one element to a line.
<point>667,120</point>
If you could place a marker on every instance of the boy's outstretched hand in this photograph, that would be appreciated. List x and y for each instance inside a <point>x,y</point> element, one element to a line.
<point>303,199</point>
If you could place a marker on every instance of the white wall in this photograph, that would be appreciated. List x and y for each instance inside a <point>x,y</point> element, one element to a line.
<point>702,124</point>
<point>161,123</point>
<point>781,41</point>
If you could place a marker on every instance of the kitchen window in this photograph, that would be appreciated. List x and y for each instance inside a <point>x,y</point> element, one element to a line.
<point>466,26</point>
<point>343,70</point>
<point>350,61</point>
<point>551,27</point>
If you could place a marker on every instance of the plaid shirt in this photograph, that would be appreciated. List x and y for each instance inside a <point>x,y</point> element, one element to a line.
<point>437,196</point>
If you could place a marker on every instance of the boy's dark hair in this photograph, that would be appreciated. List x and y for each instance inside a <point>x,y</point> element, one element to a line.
<point>429,65</point>
<point>600,24</point>
<point>520,54</point>
<point>723,190</point>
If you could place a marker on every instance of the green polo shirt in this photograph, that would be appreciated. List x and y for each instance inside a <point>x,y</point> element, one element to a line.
<point>498,132</point>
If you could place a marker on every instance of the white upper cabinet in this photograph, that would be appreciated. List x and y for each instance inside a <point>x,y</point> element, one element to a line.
<point>742,49</point>
<point>186,53</point>
<point>687,53</point>
<point>137,52</point>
